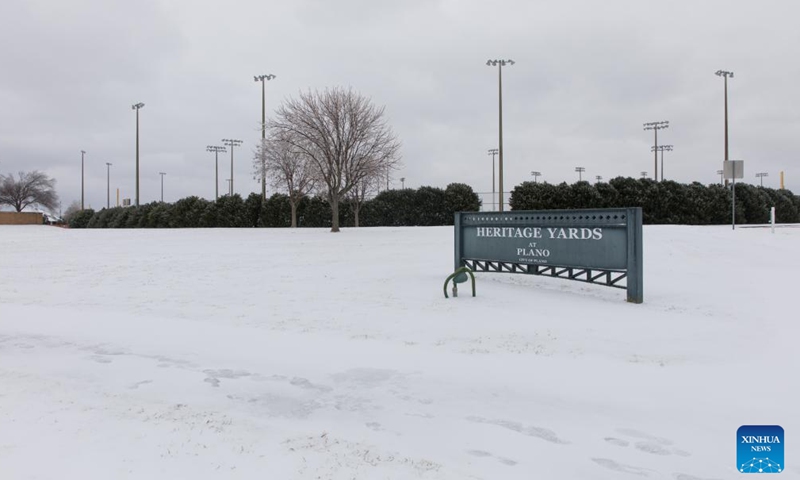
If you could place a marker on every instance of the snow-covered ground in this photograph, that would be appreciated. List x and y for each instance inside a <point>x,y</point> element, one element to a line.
<point>206,354</point>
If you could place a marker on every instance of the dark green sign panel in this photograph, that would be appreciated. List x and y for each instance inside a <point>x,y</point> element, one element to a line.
<point>602,246</point>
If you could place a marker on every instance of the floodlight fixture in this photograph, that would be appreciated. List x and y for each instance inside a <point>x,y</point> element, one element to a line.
<point>500,63</point>
<point>217,150</point>
<point>262,79</point>
<point>231,142</point>
<point>662,149</point>
<point>761,175</point>
<point>655,127</point>
<point>725,74</point>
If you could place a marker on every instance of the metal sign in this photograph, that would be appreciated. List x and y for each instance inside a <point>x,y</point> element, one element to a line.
<point>601,246</point>
<point>733,169</point>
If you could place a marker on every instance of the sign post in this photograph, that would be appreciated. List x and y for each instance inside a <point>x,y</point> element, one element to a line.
<point>772,218</point>
<point>600,246</point>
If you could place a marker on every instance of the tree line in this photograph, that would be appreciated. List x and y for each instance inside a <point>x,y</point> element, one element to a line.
<point>665,202</point>
<point>424,206</point>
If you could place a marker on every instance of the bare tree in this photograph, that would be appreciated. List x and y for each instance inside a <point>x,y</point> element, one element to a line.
<point>71,210</point>
<point>359,194</point>
<point>342,135</point>
<point>287,168</point>
<point>31,188</point>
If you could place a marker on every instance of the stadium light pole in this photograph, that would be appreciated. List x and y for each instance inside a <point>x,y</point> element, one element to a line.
<point>83,154</point>
<point>655,127</point>
<point>721,173</point>
<point>662,148</point>
<point>725,74</point>
<point>500,64</point>
<point>162,185</point>
<point>535,176</point>
<point>262,79</point>
<point>493,153</point>
<point>231,142</point>
<point>137,107</point>
<point>108,185</point>
<point>580,171</point>
<point>216,149</point>
<point>761,175</point>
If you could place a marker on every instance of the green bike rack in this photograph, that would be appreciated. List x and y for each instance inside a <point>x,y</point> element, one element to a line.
<point>459,276</point>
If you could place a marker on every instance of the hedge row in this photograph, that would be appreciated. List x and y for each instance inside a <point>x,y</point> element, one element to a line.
<point>425,206</point>
<point>664,202</point>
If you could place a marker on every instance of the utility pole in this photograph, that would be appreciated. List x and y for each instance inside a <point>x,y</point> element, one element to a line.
<point>655,127</point>
<point>761,175</point>
<point>83,153</point>
<point>216,149</point>
<point>580,171</point>
<point>262,79</point>
<point>536,175</point>
<point>643,174</point>
<point>500,64</point>
<point>162,185</point>
<point>108,185</point>
<point>231,142</point>
<point>598,178</point>
<point>662,148</point>
<point>493,153</point>
<point>229,185</point>
<point>725,74</point>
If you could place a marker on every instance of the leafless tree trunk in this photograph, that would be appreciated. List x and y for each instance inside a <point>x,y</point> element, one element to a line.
<point>288,169</point>
<point>343,137</point>
<point>31,188</point>
<point>359,194</point>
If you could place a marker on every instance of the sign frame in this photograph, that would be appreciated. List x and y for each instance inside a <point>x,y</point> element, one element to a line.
<point>620,258</point>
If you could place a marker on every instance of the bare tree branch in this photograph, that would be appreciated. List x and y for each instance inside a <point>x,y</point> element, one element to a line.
<point>31,188</point>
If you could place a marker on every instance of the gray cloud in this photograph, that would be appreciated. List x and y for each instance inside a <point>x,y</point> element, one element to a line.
<point>588,74</point>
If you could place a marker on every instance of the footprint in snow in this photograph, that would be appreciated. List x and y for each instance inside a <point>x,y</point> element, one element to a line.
<point>485,454</point>
<point>619,467</point>
<point>647,443</point>
<point>617,441</point>
<point>538,432</point>
<point>684,476</point>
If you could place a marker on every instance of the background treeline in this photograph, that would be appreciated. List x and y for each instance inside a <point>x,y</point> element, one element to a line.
<point>425,206</point>
<point>664,202</point>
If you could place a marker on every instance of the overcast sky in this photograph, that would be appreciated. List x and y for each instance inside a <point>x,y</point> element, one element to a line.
<point>587,75</point>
